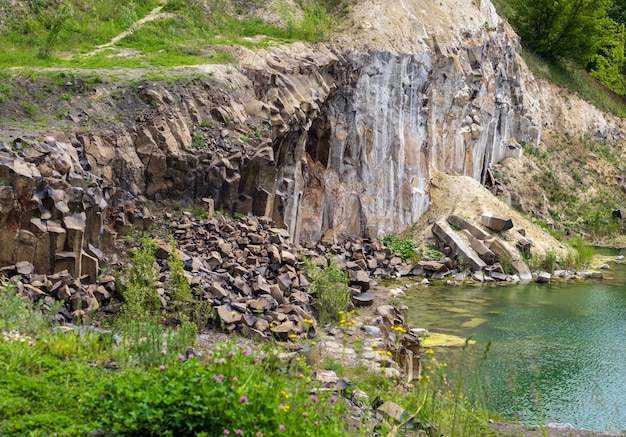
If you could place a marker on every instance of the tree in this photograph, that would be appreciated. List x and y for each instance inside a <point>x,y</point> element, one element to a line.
<point>609,63</point>
<point>572,29</point>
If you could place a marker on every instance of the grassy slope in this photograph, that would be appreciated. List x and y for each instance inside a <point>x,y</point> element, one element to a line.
<point>180,32</point>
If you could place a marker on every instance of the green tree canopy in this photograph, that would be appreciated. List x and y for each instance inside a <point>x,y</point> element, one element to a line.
<point>573,29</point>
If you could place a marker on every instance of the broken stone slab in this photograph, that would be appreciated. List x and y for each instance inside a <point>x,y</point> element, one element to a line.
<point>523,271</point>
<point>461,223</point>
<point>24,268</point>
<point>432,266</point>
<point>479,247</point>
<point>228,315</point>
<point>164,251</point>
<point>218,291</point>
<point>360,278</point>
<point>284,283</point>
<point>288,257</point>
<point>445,233</point>
<point>65,261</point>
<point>498,276</point>
<point>502,249</point>
<point>524,245</point>
<point>392,410</point>
<point>89,267</point>
<point>497,223</point>
<point>284,330</point>
<point>363,299</point>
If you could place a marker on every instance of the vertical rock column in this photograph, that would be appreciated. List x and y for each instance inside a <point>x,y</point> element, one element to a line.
<point>75,227</point>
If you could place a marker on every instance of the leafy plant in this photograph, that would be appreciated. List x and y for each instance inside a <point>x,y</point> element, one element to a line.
<point>237,392</point>
<point>190,310</point>
<point>15,315</point>
<point>404,248</point>
<point>431,253</point>
<point>329,286</point>
<point>198,140</point>
<point>139,285</point>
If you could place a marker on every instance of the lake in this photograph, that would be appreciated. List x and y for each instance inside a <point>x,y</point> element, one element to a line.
<point>557,351</point>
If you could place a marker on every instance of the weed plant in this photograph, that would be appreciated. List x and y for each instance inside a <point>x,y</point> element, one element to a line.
<point>431,253</point>
<point>190,310</point>
<point>15,315</point>
<point>78,383</point>
<point>329,285</point>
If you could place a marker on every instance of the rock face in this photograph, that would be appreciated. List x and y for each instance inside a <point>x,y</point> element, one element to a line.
<point>360,162</point>
<point>52,208</point>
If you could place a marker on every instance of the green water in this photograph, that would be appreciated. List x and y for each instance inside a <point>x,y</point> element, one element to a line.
<point>558,351</point>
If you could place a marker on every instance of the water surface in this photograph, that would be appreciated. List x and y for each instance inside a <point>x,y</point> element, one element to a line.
<point>557,353</point>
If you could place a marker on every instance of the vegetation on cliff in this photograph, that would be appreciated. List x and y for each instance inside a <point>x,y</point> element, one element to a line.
<point>573,35</point>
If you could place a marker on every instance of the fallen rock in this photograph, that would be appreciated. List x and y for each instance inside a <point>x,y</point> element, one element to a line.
<point>496,223</point>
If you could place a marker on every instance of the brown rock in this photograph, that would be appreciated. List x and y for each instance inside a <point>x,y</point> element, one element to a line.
<point>218,291</point>
<point>284,283</point>
<point>432,266</point>
<point>89,267</point>
<point>497,223</point>
<point>24,268</point>
<point>284,330</point>
<point>393,411</point>
<point>227,315</point>
<point>288,257</point>
<point>445,233</point>
<point>475,231</point>
<point>360,278</point>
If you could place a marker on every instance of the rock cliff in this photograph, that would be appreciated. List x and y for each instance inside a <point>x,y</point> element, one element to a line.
<point>341,136</point>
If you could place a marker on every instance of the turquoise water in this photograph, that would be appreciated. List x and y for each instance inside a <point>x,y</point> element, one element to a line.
<point>557,352</point>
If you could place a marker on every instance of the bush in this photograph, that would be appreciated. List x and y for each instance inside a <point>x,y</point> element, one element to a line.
<point>181,295</point>
<point>329,285</point>
<point>139,285</point>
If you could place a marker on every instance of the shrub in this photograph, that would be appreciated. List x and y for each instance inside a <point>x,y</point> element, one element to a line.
<point>189,309</point>
<point>431,253</point>
<point>329,285</point>
<point>139,285</point>
<point>581,255</point>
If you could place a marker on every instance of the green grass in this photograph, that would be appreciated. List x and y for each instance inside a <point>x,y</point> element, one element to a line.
<point>192,34</point>
<point>576,80</point>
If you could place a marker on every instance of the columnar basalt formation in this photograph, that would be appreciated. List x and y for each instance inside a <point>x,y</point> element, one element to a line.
<point>342,139</point>
<point>52,208</point>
